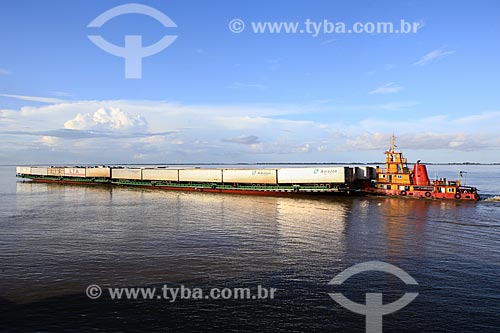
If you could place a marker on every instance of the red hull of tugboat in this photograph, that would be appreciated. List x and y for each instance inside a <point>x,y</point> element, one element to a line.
<point>423,194</point>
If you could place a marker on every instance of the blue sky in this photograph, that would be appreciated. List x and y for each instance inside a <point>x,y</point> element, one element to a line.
<point>218,96</point>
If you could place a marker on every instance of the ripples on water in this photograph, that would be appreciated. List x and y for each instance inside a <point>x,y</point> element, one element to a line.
<point>58,239</point>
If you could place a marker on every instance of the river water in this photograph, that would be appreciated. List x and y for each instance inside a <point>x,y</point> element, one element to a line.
<point>56,240</point>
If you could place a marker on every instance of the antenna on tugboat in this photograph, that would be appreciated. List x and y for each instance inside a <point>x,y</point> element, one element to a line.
<point>392,143</point>
<point>460,175</point>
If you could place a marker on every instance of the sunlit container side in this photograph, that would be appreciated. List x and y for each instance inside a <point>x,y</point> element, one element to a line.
<point>250,176</point>
<point>98,172</point>
<point>127,173</point>
<point>321,175</point>
<point>23,170</point>
<point>200,175</point>
<point>58,172</point>
<point>38,171</point>
<point>74,172</point>
<point>161,174</point>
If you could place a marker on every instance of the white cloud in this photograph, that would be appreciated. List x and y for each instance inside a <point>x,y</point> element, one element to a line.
<point>391,106</point>
<point>456,144</point>
<point>425,141</point>
<point>484,117</point>
<point>242,123</point>
<point>367,141</point>
<point>432,56</point>
<point>243,139</point>
<point>111,118</point>
<point>484,122</point>
<point>387,88</point>
<point>154,139</point>
<point>139,156</point>
<point>303,148</point>
<point>39,99</point>
<point>113,131</point>
<point>79,122</point>
<point>50,141</point>
<point>257,147</point>
<point>4,71</point>
<point>259,123</point>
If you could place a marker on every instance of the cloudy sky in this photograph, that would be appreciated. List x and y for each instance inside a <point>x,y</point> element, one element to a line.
<point>218,96</point>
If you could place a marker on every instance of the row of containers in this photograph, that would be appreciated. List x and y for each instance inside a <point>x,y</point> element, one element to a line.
<point>310,175</point>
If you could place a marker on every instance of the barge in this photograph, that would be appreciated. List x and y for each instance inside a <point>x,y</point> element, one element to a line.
<point>396,179</point>
<point>275,182</point>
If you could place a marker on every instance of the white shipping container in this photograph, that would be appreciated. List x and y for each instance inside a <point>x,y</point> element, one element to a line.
<point>74,172</point>
<point>23,170</point>
<point>161,174</point>
<point>200,175</point>
<point>312,175</point>
<point>133,174</point>
<point>98,172</point>
<point>37,171</point>
<point>249,176</point>
<point>55,172</point>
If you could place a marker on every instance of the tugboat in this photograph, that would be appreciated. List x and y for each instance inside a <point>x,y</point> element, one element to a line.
<point>398,180</point>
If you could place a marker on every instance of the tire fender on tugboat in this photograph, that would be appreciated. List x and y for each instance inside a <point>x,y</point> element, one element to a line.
<point>428,194</point>
<point>403,192</point>
<point>458,196</point>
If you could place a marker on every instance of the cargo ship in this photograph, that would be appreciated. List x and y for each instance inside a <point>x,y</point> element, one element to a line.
<point>396,179</point>
<point>327,180</point>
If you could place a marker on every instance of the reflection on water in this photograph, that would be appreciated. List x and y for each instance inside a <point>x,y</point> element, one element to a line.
<point>136,236</point>
<point>58,239</point>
